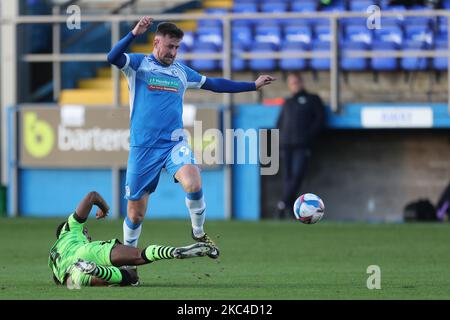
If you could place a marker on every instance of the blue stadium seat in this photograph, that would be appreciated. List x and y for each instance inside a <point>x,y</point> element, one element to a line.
<point>391,21</point>
<point>242,35</point>
<point>321,22</point>
<point>218,11</point>
<point>245,7</point>
<point>384,64</point>
<point>277,6</point>
<point>182,50</point>
<point>242,8</point>
<point>214,23</point>
<point>389,7</point>
<point>320,63</point>
<point>441,35</point>
<point>446,4</point>
<point>336,6</point>
<point>353,64</point>
<point>188,40</point>
<point>210,35</point>
<point>359,21</point>
<point>440,63</point>
<point>297,34</point>
<point>419,33</point>
<point>242,23</point>
<point>419,20</point>
<point>274,6</point>
<point>209,23</point>
<point>389,37</point>
<point>383,3</point>
<point>304,5</point>
<point>361,5</point>
<point>442,28</point>
<point>237,63</point>
<point>205,64</point>
<point>389,33</point>
<point>414,63</point>
<point>292,64</point>
<point>358,33</point>
<point>268,34</point>
<point>291,22</point>
<point>262,64</point>
<point>322,33</point>
<point>358,6</point>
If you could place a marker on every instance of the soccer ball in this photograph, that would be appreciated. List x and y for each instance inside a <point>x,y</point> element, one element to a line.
<point>308,208</point>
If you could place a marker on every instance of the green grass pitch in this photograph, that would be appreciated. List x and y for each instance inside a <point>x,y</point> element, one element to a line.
<point>259,260</point>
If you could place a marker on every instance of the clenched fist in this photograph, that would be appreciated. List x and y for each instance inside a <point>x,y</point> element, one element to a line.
<point>142,25</point>
<point>263,80</point>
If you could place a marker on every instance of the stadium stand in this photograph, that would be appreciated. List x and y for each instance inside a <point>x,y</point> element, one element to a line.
<point>319,64</point>
<point>205,64</point>
<point>384,63</point>
<point>263,64</point>
<point>299,35</point>
<point>293,64</point>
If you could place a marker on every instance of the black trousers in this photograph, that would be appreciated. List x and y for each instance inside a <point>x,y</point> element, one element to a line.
<point>295,161</point>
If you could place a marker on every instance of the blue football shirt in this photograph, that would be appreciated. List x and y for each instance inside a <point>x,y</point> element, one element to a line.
<point>156,98</point>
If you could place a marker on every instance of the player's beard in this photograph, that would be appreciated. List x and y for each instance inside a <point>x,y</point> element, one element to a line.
<point>168,60</point>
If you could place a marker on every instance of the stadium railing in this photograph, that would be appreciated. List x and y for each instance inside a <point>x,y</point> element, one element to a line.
<point>226,55</point>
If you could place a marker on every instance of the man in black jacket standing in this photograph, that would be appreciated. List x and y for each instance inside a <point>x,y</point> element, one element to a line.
<point>301,119</point>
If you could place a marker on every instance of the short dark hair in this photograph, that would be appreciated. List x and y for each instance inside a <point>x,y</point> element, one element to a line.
<point>59,229</point>
<point>169,28</point>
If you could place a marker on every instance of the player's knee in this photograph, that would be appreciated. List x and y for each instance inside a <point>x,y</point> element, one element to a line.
<point>136,212</point>
<point>135,217</point>
<point>193,187</point>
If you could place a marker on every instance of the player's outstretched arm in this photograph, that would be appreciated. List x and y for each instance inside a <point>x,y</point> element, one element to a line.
<point>229,86</point>
<point>91,199</point>
<point>117,54</point>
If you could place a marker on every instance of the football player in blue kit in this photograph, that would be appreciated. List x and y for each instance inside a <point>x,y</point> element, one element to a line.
<point>157,83</point>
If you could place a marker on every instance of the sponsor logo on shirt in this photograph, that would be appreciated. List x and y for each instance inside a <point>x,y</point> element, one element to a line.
<point>162,84</point>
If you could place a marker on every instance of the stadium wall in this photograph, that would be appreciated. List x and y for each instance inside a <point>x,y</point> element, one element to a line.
<point>56,192</point>
<point>366,174</point>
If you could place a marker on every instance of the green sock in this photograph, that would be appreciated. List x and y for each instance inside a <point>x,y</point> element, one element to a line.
<point>110,274</point>
<point>155,252</point>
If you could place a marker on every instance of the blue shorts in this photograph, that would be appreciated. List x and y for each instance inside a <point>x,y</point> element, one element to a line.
<point>145,165</point>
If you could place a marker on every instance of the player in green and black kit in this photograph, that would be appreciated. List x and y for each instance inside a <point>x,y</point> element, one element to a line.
<point>77,261</point>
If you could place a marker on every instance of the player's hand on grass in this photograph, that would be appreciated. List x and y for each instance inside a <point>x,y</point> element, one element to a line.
<point>263,80</point>
<point>142,25</point>
<point>100,214</point>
